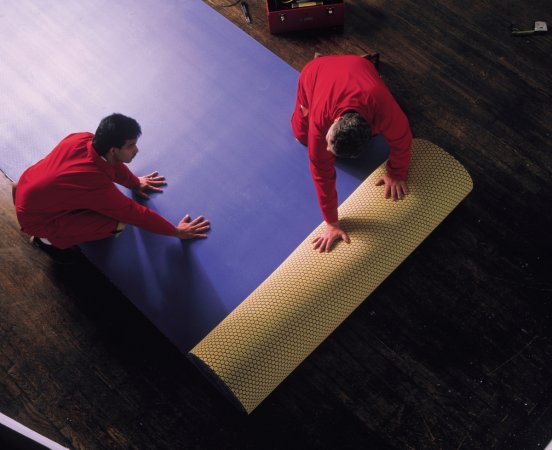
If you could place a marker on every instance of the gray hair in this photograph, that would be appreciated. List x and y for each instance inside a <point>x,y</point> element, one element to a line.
<point>351,135</point>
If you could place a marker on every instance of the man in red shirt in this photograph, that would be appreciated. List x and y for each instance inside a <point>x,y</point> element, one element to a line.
<point>342,102</point>
<point>69,197</point>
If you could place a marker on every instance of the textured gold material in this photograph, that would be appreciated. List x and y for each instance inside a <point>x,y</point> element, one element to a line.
<point>272,331</point>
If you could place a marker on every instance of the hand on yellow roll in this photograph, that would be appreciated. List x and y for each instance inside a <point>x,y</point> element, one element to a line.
<point>333,232</point>
<point>396,189</point>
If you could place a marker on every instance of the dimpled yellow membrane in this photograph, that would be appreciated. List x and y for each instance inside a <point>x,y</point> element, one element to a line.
<point>274,329</point>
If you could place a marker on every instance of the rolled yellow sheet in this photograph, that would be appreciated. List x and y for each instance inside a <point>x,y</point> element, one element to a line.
<point>274,329</point>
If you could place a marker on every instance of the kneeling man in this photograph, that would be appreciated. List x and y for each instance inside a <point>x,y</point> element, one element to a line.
<point>341,102</point>
<point>69,197</point>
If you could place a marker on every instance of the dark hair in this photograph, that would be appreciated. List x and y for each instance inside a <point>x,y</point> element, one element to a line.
<point>351,135</point>
<point>114,131</point>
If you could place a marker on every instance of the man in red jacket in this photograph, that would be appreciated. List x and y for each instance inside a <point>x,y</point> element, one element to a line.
<point>341,103</point>
<point>69,197</point>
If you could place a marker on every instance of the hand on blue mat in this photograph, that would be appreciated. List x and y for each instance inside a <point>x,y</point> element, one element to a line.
<point>150,183</point>
<point>396,189</point>
<point>333,232</point>
<point>190,229</point>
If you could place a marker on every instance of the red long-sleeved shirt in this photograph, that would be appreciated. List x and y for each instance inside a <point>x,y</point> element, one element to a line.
<point>328,87</point>
<point>72,178</point>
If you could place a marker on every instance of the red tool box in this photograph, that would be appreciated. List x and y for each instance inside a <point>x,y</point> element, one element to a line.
<point>293,15</point>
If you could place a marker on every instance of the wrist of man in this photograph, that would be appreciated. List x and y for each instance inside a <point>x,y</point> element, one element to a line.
<point>395,174</point>
<point>135,182</point>
<point>330,216</point>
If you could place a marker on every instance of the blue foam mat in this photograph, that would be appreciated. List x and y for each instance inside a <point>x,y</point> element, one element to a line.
<point>215,109</point>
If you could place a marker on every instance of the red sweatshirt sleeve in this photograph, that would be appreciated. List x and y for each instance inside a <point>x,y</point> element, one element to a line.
<point>105,198</point>
<point>299,123</point>
<point>393,124</point>
<point>322,166</point>
<point>115,204</point>
<point>125,177</point>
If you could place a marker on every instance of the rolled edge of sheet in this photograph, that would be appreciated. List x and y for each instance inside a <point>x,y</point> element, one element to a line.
<point>215,380</point>
<point>298,306</point>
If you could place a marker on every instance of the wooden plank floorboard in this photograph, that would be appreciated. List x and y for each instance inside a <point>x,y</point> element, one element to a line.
<point>452,351</point>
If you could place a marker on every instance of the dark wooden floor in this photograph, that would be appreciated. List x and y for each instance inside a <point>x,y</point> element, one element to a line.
<point>453,350</point>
